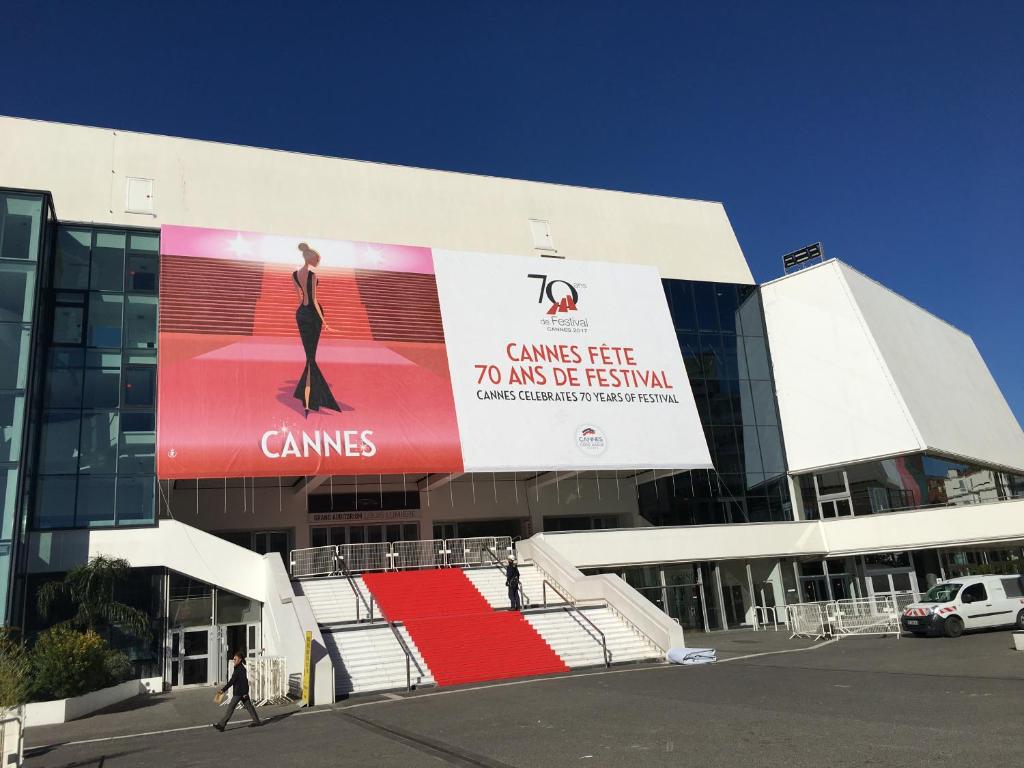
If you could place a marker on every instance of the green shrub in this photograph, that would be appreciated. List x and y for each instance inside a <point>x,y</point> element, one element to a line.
<point>67,663</point>
<point>14,670</point>
<point>118,666</point>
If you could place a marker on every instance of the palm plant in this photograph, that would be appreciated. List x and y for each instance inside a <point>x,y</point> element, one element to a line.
<point>90,588</point>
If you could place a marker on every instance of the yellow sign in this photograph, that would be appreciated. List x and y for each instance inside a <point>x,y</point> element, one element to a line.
<point>306,669</point>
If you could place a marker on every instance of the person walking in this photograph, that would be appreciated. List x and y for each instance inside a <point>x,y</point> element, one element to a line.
<point>239,683</point>
<point>512,582</point>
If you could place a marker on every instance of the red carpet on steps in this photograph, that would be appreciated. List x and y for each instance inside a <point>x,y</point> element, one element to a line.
<point>459,635</point>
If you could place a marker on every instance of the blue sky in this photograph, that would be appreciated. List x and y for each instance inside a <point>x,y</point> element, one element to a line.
<point>891,131</point>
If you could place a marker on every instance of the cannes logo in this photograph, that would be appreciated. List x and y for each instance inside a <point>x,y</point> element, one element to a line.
<point>563,296</point>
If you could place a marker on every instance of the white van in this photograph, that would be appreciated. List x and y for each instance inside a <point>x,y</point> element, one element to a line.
<point>971,602</point>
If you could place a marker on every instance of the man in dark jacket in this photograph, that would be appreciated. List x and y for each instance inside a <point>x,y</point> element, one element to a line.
<point>239,683</point>
<point>512,582</point>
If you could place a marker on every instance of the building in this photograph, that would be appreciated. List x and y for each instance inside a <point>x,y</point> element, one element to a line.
<point>822,399</point>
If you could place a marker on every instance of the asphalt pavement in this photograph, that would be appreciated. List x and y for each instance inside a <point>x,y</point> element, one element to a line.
<point>855,702</point>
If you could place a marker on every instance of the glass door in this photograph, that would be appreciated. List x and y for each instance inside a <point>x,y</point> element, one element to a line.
<point>190,656</point>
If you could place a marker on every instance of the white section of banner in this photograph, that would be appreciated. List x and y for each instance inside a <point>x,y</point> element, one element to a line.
<point>568,365</point>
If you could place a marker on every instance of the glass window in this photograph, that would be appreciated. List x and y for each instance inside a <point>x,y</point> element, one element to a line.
<point>19,226</point>
<point>680,296</point>
<point>140,322</point>
<point>751,453</point>
<point>68,323</point>
<point>764,403</point>
<point>135,500</point>
<point>750,315</point>
<point>141,421</point>
<point>771,450</point>
<point>14,346</point>
<point>725,296</point>
<point>99,442</point>
<point>139,387</point>
<point>233,609</point>
<point>141,275</point>
<point>105,319</point>
<point>72,269</point>
<point>831,482</point>
<point>8,501</point>
<point>59,452</point>
<point>56,503</point>
<point>64,388</point>
<point>12,414</point>
<point>757,358</point>
<point>136,452</point>
<point>704,301</point>
<point>102,387</point>
<point>95,507</point>
<point>746,403</point>
<point>107,273</point>
<point>144,243</point>
<point>17,292</point>
<point>973,594</point>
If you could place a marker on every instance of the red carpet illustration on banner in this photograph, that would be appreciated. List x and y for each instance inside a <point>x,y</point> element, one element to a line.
<point>231,357</point>
<point>461,638</point>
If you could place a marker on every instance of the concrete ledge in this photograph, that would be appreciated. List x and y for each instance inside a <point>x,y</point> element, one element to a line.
<point>63,710</point>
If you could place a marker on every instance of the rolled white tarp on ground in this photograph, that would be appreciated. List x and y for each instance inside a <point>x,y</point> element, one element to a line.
<point>691,656</point>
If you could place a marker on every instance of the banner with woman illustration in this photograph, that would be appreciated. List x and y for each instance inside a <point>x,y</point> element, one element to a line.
<point>283,355</point>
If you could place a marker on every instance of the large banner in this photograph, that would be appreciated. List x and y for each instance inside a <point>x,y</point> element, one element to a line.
<point>298,356</point>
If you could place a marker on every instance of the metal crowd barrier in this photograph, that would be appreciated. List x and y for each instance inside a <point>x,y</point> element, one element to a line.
<point>874,615</point>
<point>765,615</point>
<point>268,679</point>
<point>399,555</point>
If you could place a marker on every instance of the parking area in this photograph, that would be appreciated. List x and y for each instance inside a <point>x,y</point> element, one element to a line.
<point>770,702</point>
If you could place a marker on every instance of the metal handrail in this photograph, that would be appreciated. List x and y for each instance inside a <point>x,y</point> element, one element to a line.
<point>571,604</point>
<point>360,597</point>
<point>408,656</point>
<point>523,599</point>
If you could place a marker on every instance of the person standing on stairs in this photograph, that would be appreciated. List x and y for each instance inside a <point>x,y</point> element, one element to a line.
<point>239,684</point>
<point>512,582</point>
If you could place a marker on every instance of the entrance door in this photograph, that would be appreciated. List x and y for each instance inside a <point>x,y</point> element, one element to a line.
<point>190,656</point>
<point>238,638</point>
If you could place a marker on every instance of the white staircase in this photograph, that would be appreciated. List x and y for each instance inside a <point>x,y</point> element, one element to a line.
<point>333,601</point>
<point>491,584</point>
<point>576,642</point>
<point>370,659</point>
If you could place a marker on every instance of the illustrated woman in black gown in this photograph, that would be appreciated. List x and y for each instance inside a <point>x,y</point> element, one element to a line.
<point>312,388</point>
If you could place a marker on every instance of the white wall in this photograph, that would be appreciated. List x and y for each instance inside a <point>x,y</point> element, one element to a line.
<point>220,185</point>
<point>995,523</point>
<point>948,389</point>
<point>862,373</point>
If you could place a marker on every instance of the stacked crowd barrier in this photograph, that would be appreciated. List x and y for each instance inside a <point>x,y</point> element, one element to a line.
<point>400,555</point>
<point>874,615</point>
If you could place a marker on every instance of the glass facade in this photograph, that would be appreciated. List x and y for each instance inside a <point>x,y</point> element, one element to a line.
<point>721,333</point>
<point>98,432</point>
<point>24,222</point>
<point>903,482</point>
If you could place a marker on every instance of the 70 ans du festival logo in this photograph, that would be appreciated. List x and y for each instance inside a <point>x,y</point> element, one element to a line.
<point>561,300</point>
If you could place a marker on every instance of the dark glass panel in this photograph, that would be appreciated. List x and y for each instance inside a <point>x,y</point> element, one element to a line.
<point>64,388</point>
<point>751,451</point>
<point>8,501</point>
<point>56,502</point>
<point>141,275</point>
<point>136,500</point>
<point>72,269</point>
<point>771,450</point>
<point>59,452</point>
<point>707,312</point>
<point>132,421</point>
<point>68,323</point>
<point>140,322</point>
<point>107,272</point>
<point>105,319</point>
<point>136,451</point>
<point>725,297</point>
<point>750,315</point>
<point>764,403</point>
<point>681,303</point>
<point>102,387</point>
<point>17,292</point>
<point>19,229</point>
<point>95,507</point>
<point>757,358</point>
<point>14,345</point>
<point>12,414</point>
<point>139,386</point>
<point>99,442</point>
